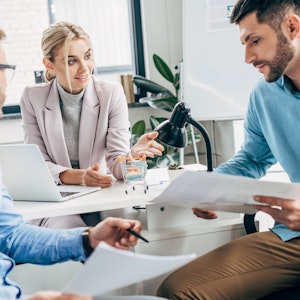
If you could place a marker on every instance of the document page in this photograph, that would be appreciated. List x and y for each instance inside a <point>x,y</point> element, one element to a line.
<point>157,176</point>
<point>221,192</point>
<point>108,269</point>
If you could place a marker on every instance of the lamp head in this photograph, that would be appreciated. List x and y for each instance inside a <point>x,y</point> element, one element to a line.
<point>172,132</point>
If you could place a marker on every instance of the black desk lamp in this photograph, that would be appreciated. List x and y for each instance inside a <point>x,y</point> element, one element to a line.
<point>172,132</point>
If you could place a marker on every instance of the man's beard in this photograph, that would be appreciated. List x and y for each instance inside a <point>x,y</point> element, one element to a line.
<point>284,54</point>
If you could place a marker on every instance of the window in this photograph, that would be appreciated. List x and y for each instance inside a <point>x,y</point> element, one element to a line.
<point>114,28</point>
<point>108,24</point>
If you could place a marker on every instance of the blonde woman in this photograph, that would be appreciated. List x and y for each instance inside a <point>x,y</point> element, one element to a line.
<point>79,122</point>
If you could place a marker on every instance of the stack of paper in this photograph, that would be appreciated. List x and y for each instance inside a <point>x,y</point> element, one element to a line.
<point>108,269</point>
<point>157,176</point>
<point>222,192</point>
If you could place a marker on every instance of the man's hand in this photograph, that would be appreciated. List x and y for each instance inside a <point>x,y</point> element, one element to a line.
<point>113,232</point>
<point>147,146</point>
<point>53,295</point>
<point>204,213</point>
<point>284,211</point>
<point>92,177</point>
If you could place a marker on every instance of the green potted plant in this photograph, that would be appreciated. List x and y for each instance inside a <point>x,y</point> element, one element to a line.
<point>163,99</point>
<point>160,97</point>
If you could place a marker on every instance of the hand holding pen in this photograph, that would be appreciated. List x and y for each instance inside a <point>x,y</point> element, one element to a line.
<point>137,235</point>
<point>109,231</point>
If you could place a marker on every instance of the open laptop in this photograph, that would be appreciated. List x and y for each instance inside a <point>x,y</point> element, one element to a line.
<point>27,177</point>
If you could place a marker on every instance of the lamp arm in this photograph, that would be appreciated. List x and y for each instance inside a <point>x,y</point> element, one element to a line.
<point>206,139</point>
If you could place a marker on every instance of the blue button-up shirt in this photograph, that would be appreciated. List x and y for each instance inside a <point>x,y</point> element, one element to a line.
<point>272,134</point>
<point>24,243</point>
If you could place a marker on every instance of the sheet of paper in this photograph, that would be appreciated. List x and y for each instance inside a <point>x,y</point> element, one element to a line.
<point>157,176</point>
<point>222,192</point>
<point>108,269</point>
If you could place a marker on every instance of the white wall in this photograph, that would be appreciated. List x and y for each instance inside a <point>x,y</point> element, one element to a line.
<point>11,131</point>
<point>163,35</point>
<point>23,22</point>
<point>162,31</point>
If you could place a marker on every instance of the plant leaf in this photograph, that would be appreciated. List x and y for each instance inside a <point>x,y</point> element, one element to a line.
<point>177,82</point>
<point>154,122</point>
<point>166,104</point>
<point>134,138</point>
<point>163,68</point>
<point>166,160</point>
<point>162,102</point>
<point>139,127</point>
<point>151,162</point>
<point>149,85</point>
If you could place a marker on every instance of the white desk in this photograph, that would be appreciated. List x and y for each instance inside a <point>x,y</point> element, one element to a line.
<point>113,201</point>
<point>105,199</point>
<point>171,231</point>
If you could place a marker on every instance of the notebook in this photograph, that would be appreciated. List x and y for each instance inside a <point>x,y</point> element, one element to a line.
<point>27,177</point>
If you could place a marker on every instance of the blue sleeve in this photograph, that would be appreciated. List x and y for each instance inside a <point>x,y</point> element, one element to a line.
<point>32,244</point>
<point>255,156</point>
<point>8,289</point>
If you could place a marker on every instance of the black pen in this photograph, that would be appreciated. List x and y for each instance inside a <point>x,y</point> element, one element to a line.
<point>137,235</point>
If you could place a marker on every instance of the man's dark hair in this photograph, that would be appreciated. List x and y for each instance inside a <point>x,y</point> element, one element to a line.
<point>271,12</point>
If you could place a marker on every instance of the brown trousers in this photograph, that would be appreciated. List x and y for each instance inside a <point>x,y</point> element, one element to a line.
<point>249,267</point>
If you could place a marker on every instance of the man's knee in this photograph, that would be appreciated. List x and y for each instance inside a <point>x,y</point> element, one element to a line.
<point>173,288</point>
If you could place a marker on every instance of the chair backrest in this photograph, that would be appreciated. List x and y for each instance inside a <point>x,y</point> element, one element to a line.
<point>292,293</point>
<point>249,223</point>
<point>39,76</point>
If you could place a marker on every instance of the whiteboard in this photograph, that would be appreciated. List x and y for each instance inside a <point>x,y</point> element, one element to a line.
<point>216,80</point>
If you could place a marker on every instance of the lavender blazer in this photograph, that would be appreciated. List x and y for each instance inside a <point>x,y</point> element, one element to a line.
<point>104,127</point>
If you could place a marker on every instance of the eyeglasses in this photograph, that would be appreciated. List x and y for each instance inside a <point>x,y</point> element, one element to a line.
<point>9,71</point>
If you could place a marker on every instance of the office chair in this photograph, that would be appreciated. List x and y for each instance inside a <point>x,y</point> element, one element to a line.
<point>292,293</point>
<point>39,76</point>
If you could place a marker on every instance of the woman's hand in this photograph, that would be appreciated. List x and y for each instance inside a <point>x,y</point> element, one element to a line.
<point>92,177</point>
<point>146,145</point>
<point>89,177</point>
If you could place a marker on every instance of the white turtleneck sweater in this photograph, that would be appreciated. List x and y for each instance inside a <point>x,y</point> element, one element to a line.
<point>71,111</point>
